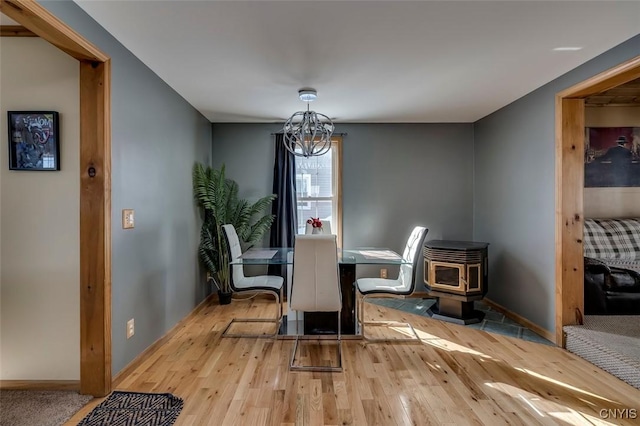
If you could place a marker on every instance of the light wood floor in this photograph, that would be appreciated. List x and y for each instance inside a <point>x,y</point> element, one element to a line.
<point>456,376</point>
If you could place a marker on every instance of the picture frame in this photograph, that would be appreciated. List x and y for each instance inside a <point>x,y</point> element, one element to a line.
<point>612,157</point>
<point>34,140</point>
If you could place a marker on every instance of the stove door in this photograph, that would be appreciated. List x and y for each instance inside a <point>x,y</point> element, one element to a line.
<point>448,277</point>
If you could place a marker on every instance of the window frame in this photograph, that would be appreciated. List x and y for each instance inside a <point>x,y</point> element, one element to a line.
<point>336,171</point>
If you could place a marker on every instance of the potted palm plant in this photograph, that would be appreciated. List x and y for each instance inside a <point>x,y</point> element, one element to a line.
<point>217,196</point>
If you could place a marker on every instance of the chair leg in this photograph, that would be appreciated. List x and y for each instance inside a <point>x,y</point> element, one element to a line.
<point>317,368</point>
<point>277,321</point>
<point>362,323</point>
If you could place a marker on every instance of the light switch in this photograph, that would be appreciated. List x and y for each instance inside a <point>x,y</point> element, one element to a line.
<point>127,218</point>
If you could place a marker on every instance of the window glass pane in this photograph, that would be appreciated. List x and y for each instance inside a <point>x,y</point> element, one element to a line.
<point>313,208</point>
<point>474,277</point>
<point>314,176</point>
<point>303,185</point>
<point>316,186</point>
<point>447,275</point>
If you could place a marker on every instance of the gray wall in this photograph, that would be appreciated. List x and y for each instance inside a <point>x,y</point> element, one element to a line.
<point>156,138</point>
<point>395,176</point>
<point>514,196</point>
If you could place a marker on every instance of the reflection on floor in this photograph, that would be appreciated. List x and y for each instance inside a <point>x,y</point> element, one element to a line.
<point>493,322</point>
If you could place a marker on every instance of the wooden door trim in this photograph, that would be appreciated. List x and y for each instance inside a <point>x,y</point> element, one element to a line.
<point>15,31</point>
<point>39,20</point>
<point>569,214</point>
<point>613,77</point>
<point>95,188</point>
<point>95,227</point>
<point>569,184</point>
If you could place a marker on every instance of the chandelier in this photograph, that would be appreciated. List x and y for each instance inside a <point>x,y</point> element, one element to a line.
<point>308,133</point>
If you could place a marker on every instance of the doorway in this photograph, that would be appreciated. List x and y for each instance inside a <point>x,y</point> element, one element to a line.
<point>569,217</point>
<point>95,188</point>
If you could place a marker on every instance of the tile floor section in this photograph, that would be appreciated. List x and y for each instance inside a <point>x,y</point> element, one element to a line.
<point>493,322</point>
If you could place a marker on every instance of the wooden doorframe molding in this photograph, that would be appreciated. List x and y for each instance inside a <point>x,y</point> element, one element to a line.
<point>15,31</point>
<point>95,188</point>
<point>569,215</point>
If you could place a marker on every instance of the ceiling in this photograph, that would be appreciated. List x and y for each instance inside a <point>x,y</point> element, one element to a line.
<point>370,61</point>
<point>627,94</point>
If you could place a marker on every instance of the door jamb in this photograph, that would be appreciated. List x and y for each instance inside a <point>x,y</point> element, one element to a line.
<point>95,188</point>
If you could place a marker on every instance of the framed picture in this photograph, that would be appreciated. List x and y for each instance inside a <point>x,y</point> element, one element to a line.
<point>612,157</point>
<point>34,142</point>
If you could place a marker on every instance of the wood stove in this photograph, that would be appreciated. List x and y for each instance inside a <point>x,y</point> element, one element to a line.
<point>456,272</point>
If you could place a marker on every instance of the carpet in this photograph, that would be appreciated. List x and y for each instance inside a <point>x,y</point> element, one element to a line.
<point>42,408</point>
<point>610,342</point>
<point>135,408</point>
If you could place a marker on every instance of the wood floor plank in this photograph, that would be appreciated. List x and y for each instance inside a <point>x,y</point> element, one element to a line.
<point>277,406</point>
<point>456,376</point>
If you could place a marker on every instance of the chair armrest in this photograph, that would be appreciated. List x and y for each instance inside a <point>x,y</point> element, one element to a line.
<point>622,280</point>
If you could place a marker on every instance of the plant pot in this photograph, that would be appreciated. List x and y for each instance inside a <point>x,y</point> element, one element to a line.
<point>224,298</point>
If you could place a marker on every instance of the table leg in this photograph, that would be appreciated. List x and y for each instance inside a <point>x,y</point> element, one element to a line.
<point>327,322</point>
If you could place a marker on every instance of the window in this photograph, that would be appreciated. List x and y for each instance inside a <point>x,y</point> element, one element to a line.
<point>318,188</point>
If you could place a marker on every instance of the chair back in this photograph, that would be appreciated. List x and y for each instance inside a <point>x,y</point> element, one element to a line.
<point>407,276</point>
<point>326,228</point>
<point>316,285</point>
<point>235,251</point>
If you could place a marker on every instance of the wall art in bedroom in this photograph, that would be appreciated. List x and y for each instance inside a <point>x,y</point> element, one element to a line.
<point>612,157</point>
<point>34,142</point>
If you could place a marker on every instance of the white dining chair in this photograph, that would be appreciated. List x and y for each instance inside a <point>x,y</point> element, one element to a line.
<point>326,230</point>
<point>316,287</point>
<point>401,287</point>
<point>269,284</point>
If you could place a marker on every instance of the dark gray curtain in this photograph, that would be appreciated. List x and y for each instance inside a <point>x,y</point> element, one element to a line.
<point>284,226</point>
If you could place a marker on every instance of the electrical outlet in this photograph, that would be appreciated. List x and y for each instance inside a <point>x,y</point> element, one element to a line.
<point>127,218</point>
<point>383,273</point>
<point>131,328</point>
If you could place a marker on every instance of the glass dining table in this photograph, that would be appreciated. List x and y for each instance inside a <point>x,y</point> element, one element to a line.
<point>348,260</point>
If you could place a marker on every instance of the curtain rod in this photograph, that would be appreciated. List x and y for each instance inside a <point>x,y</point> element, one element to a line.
<point>336,134</point>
